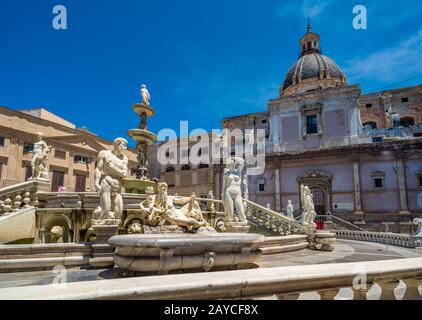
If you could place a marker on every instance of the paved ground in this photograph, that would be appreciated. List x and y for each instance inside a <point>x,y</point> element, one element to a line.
<point>345,251</point>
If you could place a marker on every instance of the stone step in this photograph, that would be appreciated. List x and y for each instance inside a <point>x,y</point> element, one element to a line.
<point>284,248</point>
<point>280,244</point>
<point>283,240</point>
<point>16,265</point>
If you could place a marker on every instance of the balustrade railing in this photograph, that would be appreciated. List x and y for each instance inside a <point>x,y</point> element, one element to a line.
<point>337,223</point>
<point>21,195</point>
<point>271,220</point>
<point>383,279</point>
<point>395,239</point>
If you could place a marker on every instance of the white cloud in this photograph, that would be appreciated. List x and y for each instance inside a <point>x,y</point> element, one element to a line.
<point>312,8</point>
<point>395,63</point>
<point>305,8</point>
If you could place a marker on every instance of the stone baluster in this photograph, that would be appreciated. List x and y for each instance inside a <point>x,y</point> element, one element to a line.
<point>17,201</point>
<point>7,205</point>
<point>328,294</point>
<point>361,292</point>
<point>387,287</point>
<point>412,289</point>
<point>26,199</point>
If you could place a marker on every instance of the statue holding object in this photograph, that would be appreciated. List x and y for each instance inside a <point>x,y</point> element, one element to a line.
<point>110,170</point>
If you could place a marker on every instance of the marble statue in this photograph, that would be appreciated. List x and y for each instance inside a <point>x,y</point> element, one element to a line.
<point>56,235</point>
<point>232,193</point>
<point>268,206</point>
<point>210,204</point>
<point>145,95</point>
<point>39,158</point>
<point>110,170</point>
<point>391,115</point>
<point>135,227</point>
<point>308,213</point>
<point>151,217</point>
<point>290,210</point>
<point>188,216</point>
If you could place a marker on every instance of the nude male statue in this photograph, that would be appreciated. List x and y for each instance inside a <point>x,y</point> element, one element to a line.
<point>39,158</point>
<point>145,95</point>
<point>110,170</point>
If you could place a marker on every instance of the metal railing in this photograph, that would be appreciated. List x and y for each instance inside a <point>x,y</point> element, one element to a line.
<point>337,222</point>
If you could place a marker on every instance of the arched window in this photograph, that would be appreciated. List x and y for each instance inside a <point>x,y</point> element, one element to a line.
<point>185,167</point>
<point>407,121</point>
<point>373,124</point>
<point>203,166</point>
<point>170,169</point>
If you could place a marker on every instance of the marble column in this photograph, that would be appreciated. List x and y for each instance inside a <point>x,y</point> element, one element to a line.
<point>277,190</point>
<point>401,179</point>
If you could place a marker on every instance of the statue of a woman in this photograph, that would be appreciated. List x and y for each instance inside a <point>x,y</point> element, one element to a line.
<point>232,193</point>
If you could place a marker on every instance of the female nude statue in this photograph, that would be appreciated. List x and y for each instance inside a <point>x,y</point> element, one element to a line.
<point>232,193</point>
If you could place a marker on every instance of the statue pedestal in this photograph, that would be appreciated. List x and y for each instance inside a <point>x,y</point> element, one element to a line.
<point>105,229</point>
<point>103,252</point>
<point>237,227</point>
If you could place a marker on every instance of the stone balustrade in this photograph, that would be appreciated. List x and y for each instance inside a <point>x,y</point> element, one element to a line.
<point>395,239</point>
<point>324,281</point>
<point>272,221</point>
<point>21,195</point>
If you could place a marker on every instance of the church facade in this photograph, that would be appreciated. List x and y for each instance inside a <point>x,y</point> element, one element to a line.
<point>322,132</point>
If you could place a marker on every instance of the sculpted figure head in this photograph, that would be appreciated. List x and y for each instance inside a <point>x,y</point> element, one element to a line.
<point>120,145</point>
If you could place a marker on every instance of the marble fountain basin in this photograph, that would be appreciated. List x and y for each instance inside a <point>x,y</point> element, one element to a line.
<point>164,253</point>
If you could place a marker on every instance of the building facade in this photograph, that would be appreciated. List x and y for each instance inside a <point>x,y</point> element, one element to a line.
<point>322,132</point>
<point>72,157</point>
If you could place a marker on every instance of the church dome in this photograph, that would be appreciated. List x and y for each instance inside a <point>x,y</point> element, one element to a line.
<point>313,70</point>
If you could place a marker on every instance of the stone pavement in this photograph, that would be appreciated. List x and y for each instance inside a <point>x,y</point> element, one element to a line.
<point>345,251</point>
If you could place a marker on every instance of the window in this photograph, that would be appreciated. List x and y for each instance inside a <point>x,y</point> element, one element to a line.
<point>261,185</point>
<point>404,100</point>
<point>407,122</point>
<point>203,166</point>
<point>170,169</point>
<point>81,159</point>
<point>264,121</point>
<point>378,178</point>
<point>1,141</point>
<point>80,184</point>
<point>419,180</point>
<point>185,167</point>
<point>373,124</point>
<point>60,154</point>
<point>369,105</point>
<point>57,181</point>
<point>378,183</point>
<point>311,124</point>
<point>28,172</point>
<point>28,148</point>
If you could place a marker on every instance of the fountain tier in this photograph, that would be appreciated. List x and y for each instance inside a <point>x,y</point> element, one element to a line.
<point>161,253</point>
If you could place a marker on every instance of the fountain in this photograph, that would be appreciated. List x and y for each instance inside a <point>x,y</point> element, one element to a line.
<point>169,236</point>
<point>143,138</point>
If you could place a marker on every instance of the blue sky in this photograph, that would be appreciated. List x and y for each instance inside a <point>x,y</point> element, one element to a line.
<point>202,60</point>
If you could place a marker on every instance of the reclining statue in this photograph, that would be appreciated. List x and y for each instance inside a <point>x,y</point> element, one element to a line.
<point>159,210</point>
